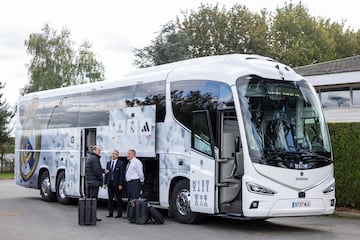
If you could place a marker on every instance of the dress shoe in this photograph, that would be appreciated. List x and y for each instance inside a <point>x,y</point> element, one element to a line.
<point>109,216</point>
<point>98,219</point>
<point>118,216</point>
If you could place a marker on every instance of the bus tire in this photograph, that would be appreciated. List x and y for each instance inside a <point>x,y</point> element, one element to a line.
<point>180,203</point>
<point>45,187</point>
<point>61,189</point>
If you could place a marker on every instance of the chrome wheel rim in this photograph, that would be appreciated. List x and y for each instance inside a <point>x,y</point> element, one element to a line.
<point>183,202</point>
<point>62,190</point>
<point>45,186</point>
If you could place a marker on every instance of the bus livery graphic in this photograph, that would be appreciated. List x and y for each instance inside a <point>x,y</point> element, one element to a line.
<point>30,143</point>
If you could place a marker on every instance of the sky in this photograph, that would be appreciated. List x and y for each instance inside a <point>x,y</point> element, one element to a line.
<point>116,27</point>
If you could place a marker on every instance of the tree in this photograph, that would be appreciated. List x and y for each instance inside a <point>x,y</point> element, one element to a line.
<point>86,63</point>
<point>5,118</point>
<point>208,31</point>
<point>217,31</point>
<point>346,42</point>
<point>247,32</point>
<point>170,45</point>
<point>298,38</point>
<point>55,63</point>
<point>290,35</point>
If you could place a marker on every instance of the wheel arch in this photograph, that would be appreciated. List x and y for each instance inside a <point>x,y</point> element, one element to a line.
<point>62,169</point>
<point>63,199</point>
<point>174,181</point>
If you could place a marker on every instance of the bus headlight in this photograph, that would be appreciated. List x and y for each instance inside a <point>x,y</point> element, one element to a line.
<point>329,189</point>
<point>255,188</point>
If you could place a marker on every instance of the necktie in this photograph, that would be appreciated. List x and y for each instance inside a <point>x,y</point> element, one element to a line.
<point>112,165</point>
<point>112,170</point>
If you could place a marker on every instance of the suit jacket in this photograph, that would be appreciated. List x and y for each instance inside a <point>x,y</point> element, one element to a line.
<point>118,173</point>
<point>93,171</point>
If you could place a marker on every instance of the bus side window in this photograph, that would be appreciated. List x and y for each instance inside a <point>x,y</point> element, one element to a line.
<point>201,139</point>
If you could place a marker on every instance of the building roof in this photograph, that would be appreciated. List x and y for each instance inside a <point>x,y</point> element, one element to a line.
<point>343,65</point>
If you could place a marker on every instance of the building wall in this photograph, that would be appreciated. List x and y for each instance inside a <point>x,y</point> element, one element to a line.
<point>342,114</point>
<point>339,95</point>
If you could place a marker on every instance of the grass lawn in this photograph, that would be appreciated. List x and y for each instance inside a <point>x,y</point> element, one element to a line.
<point>6,175</point>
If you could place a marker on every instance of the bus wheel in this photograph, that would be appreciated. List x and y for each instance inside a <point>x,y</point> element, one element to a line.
<point>45,187</point>
<point>180,203</point>
<point>61,189</point>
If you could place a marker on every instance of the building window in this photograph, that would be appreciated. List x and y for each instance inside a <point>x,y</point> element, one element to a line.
<point>335,98</point>
<point>356,97</point>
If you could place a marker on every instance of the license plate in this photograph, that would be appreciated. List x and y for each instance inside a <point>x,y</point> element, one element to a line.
<point>301,204</point>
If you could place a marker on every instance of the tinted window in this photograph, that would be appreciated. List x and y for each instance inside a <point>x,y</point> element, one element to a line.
<point>95,106</point>
<point>64,113</point>
<point>201,135</point>
<point>41,108</point>
<point>150,94</point>
<point>189,96</point>
<point>92,108</point>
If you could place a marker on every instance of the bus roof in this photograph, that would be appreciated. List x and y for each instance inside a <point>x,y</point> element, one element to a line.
<point>222,67</point>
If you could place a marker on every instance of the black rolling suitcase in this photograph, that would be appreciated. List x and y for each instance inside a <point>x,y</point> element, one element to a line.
<point>142,211</point>
<point>87,211</point>
<point>87,206</point>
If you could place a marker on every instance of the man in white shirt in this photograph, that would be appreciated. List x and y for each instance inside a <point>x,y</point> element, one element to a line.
<point>134,175</point>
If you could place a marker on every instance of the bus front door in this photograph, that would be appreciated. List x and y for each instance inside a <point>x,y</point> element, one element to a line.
<point>230,164</point>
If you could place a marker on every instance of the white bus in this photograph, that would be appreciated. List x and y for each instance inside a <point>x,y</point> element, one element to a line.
<point>239,136</point>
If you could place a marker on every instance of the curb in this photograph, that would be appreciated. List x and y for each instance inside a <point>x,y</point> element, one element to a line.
<point>347,214</point>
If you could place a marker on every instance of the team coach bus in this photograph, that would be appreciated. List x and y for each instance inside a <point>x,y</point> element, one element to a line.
<point>239,136</point>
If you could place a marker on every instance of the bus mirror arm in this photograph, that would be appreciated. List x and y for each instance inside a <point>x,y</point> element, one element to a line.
<point>237,144</point>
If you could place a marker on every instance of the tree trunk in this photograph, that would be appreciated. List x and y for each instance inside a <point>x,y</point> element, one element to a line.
<point>2,162</point>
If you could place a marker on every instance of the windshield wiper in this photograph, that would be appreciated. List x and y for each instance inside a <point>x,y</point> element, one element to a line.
<point>295,159</point>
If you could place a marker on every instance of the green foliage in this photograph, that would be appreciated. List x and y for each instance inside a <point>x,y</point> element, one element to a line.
<point>170,45</point>
<point>5,117</point>
<point>55,63</point>
<point>345,139</point>
<point>298,38</point>
<point>7,175</point>
<point>291,36</point>
<point>6,142</point>
<point>208,31</point>
<point>86,63</point>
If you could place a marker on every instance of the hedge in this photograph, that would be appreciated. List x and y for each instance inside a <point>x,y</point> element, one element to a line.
<point>345,139</point>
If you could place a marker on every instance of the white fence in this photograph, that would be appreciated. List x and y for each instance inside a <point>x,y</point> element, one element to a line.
<point>7,162</point>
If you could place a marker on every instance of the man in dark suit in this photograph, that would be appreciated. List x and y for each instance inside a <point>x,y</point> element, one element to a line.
<point>93,174</point>
<point>114,181</point>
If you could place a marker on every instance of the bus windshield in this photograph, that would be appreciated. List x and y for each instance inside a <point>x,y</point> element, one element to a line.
<point>284,123</point>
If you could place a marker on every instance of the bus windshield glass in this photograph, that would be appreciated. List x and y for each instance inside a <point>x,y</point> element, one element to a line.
<point>284,123</point>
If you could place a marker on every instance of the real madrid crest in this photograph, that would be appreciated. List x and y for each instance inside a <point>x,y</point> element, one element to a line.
<point>30,143</point>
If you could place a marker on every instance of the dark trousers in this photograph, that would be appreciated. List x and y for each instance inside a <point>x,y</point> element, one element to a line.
<point>92,192</point>
<point>133,189</point>
<point>114,191</point>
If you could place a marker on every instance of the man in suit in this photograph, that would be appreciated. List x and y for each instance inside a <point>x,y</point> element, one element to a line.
<point>93,174</point>
<point>114,181</point>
